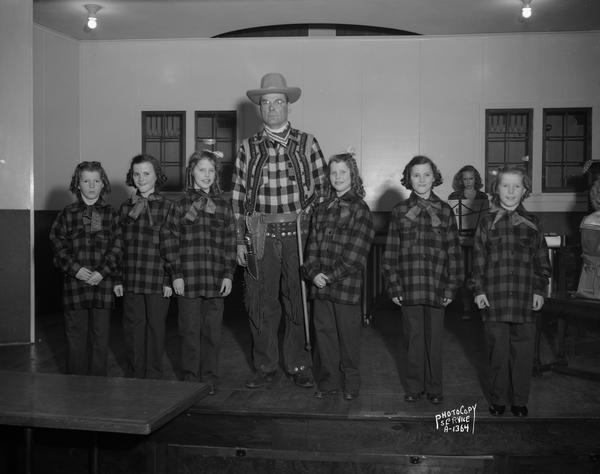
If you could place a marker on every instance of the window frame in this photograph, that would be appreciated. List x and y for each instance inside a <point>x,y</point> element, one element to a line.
<point>580,183</point>
<point>199,142</point>
<point>489,175</point>
<point>181,139</point>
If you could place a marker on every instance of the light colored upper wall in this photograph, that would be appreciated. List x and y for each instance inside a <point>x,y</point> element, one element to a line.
<point>16,89</point>
<point>56,117</point>
<point>390,98</point>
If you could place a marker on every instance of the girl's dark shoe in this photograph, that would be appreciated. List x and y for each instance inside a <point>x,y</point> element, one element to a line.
<point>412,397</point>
<point>519,410</point>
<point>436,399</point>
<point>497,410</point>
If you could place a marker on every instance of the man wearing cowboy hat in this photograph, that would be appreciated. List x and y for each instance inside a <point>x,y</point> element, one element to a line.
<point>279,172</point>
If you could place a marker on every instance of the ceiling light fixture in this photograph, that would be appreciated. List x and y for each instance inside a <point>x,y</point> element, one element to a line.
<point>526,9</point>
<point>92,9</point>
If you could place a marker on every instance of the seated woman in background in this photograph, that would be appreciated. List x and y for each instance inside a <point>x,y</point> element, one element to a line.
<point>589,281</point>
<point>468,203</point>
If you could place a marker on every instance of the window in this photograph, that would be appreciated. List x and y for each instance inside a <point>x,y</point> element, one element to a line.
<point>567,135</point>
<point>507,140</point>
<point>163,137</point>
<point>217,131</point>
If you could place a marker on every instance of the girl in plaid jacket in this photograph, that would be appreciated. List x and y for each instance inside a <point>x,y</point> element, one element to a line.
<point>83,239</point>
<point>511,268</point>
<point>422,264</point>
<point>143,281</point>
<point>200,245</point>
<point>338,246</point>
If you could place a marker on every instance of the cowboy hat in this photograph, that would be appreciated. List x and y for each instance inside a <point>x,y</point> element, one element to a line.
<point>274,83</point>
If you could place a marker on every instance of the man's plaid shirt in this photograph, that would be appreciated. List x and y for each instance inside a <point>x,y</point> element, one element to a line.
<point>284,179</point>
<point>76,243</point>
<point>143,266</point>
<point>200,244</point>
<point>338,246</point>
<point>422,263</point>
<point>510,264</point>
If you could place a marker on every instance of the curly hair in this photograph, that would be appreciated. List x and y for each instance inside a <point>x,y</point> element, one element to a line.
<point>510,169</point>
<point>457,181</point>
<point>195,158</point>
<point>420,160</point>
<point>595,195</point>
<point>161,178</point>
<point>356,181</point>
<point>89,166</point>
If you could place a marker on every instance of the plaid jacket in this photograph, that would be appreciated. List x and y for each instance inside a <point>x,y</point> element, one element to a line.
<point>199,243</point>
<point>271,178</point>
<point>84,236</point>
<point>422,262</point>
<point>510,264</point>
<point>143,266</point>
<point>338,246</point>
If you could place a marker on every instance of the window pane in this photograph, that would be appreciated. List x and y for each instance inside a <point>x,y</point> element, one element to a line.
<point>576,125</point>
<point>554,126</point>
<point>554,151</point>
<point>516,151</point>
<point>171,152</point>
<point>496,152</point>
<point>204,127</point>
<point>153,149</point>
<point>575,152</point>
<point>225,127</point>
<point>227,149</point>
<point>553,177</point>
<point>496,125</point>
<point>153,126</point>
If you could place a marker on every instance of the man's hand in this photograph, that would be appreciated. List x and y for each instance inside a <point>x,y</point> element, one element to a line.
<point>242,255</point>
<point>538,302</point>
<point>321,280</point>
<point>397,300</point>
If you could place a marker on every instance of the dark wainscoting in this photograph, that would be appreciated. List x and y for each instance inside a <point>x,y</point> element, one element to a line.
<point>15,271</point>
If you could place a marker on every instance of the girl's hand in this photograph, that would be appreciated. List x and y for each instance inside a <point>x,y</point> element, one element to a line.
<point>446,302</point>
<point>482,302</point>
<point>320,281</point>
<point>94,279</point>
<point>178,286</point>
<point>167,291</point>
<point>397,300</point>
<point>538,302</point>
<point>225,287</point>
<point>118,289</point>
<point>83,274</point>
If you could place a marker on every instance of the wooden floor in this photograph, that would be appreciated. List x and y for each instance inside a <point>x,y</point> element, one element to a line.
<point>285,429</point>
<point>553,395</point>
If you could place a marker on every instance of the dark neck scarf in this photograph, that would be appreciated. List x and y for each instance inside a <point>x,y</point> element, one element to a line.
<point>202,202</point>
<point>431,207</point>
<point>279,137</point>
<point>515,218</point>
<point>91,216</point>
<point>140,205</point>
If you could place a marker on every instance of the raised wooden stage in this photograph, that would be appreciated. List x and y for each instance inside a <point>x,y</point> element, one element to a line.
<point>285,429</point>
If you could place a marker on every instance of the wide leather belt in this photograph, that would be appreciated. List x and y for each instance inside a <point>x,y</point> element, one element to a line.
<point>277,218</point>
<point>281,229</point>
